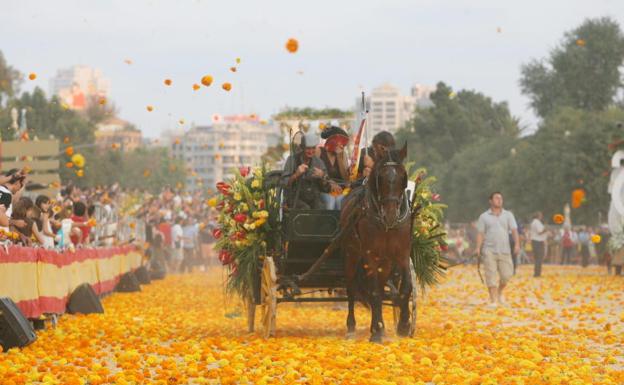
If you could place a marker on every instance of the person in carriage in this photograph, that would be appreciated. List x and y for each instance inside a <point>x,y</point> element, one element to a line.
<point>383,142</point>
<point>335,159</point>
<point>305,176</point>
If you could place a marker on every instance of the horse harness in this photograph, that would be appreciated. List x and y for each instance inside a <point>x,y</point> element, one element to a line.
<point>376,204</point>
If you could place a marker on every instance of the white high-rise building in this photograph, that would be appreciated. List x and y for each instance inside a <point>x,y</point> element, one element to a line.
<point>389,110</point>
<point>212,152</point>
<point>78,84</point>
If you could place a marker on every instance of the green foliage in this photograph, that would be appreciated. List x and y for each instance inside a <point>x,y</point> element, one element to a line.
<point>309,113</point>
<point>10,79</point>
<point>569,151</point>
<point>428,232</point>
<point>455,122</point>
<point>582,72</point>
<point>47,118</point>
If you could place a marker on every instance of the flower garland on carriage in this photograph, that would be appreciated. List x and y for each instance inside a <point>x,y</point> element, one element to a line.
<point>248,210</point>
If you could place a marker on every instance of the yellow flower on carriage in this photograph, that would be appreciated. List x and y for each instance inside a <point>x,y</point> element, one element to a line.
<point>259,222</point>
<point>237,197</point>
<point>263,214</point>
<point>255,183</point>
<point>212,202</point>
<point>243,207</point>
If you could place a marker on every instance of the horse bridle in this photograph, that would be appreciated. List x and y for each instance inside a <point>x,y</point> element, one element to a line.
<point>378,205</point>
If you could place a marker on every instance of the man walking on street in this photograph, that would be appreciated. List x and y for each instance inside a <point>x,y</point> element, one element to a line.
<point>493,246</point>
<point>538,242</point>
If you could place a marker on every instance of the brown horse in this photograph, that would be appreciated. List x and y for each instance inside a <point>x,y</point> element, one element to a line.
<point>378,243</point>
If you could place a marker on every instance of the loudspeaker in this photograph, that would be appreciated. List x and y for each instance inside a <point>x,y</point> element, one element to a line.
<point>142,275</point>
<point>84,300</point>
<point>128,283</point>
<point>15,330</point>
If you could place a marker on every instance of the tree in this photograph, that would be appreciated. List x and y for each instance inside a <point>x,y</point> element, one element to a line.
<point>569,151</point>
<point>583,71</point>
<point>10,79</point>
<point>467,179</point>
<point>455,122</point>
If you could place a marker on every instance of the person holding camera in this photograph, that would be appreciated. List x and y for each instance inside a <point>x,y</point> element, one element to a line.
<point>11,187</point>
<point>305,176</point>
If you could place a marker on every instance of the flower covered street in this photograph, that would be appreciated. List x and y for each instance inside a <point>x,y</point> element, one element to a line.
<point>564,328</point>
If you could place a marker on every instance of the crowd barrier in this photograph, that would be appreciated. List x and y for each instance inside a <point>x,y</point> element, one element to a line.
<point>40,281</point>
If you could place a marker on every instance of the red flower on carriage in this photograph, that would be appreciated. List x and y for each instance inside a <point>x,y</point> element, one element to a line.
<point>223,188</point>
<point>244,171</point>
<point>225,257</point>
<point>237,236</point>
<point>435,197</point>
<point>240,218</point>
<point>217,233</point>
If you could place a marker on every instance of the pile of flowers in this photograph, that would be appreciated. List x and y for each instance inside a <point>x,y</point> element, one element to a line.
<point>244,231</point>
<point>429,236</point>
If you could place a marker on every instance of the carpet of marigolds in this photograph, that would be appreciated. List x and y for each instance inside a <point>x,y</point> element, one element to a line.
<point>564,328</point>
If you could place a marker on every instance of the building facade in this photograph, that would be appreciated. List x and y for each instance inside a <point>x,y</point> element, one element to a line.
<point>389,110</point>
<point>212,152</point>
<point>116,133</point>
<point>78,85</point>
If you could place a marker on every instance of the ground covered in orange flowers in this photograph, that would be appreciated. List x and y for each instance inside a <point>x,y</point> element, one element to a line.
<point>565,328</point>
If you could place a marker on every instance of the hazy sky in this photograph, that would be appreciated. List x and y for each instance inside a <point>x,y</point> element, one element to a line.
<point>345,46</point>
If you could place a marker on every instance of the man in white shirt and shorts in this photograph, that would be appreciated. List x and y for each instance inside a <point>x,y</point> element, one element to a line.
<point>493,246</point>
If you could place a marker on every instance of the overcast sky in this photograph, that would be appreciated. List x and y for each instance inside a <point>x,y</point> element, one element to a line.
<point>345,46</point>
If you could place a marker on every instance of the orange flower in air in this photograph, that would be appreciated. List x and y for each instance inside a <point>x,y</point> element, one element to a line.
<point>69,165</point>
<point>580,42</point>
<point>66,140</point>
<point>150,108</point>
<point>195,87</point>
<point>206,80</point>
<point>147,173</point>
<point>102,101</point>
<point>80,173</point>
<point>168,82</point>
<point>32,76</point>
<point>226,86</point>
<point>578,197</point>
<point>292,45</point>
<point>558,219</point>
<point>115,146</point>
<point>69,151</point>
<point>233,69</point>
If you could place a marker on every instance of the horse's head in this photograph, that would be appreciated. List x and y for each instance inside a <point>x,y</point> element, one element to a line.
<point>388,181</point>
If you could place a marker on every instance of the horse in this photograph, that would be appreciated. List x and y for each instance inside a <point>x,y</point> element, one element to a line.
<point>377,244</point>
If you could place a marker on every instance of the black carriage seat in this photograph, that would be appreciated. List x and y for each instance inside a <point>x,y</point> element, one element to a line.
<point>307,233</point>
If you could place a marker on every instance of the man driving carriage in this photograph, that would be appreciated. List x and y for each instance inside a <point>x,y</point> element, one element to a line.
<point>305,176</point>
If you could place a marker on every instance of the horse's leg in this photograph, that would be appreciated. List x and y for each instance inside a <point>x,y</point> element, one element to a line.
<point>351,278</point>
<point>351,316</point>
<point>405,292</point>
<point>377,326</point>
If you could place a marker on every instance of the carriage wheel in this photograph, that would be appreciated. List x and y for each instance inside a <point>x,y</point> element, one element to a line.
<point>412,306</point>
<point>268,294</point>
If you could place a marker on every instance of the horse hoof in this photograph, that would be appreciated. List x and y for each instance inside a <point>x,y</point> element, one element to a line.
<point>350,335</point>
<point>403,330</point>
<point>376,338</point>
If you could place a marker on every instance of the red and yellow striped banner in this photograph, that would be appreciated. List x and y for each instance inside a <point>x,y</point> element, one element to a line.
<point>41,281</point>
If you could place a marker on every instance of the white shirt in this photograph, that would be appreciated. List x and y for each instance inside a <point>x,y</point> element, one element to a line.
<point>536,228</point>
<point>176,235</point>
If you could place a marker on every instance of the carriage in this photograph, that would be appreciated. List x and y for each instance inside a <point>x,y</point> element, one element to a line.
<point>299,239</point>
